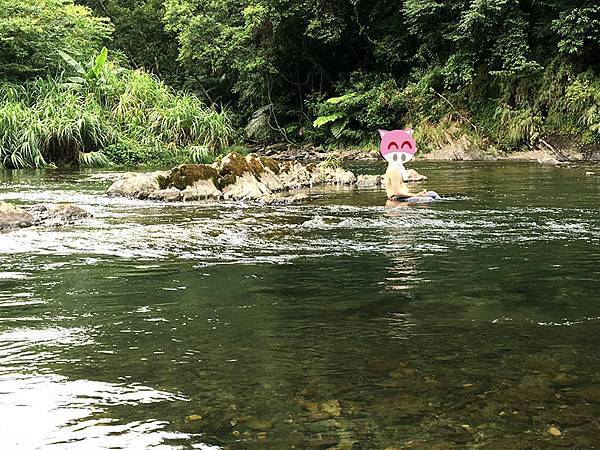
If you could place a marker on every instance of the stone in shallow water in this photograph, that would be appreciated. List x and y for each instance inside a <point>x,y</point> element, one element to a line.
<point>553,431</point>
<point>56,215</point>
<point>193,417</point>
<point>136,185</point>
<point>413,175</point>
<point>246,187</point>
<point>168,195</point>
<point>364,181</point>
<point>332,408</point>
<point>283,199</point>
<point>12,216</point>
<point>233,178</point>
<point>202,190</point>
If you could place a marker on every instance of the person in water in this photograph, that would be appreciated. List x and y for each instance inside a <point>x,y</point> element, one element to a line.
<point>398,147</point>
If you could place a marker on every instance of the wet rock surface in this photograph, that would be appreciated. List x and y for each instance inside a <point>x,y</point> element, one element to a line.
<point>12,216</point>
<point>137,184</point>
<point>254,178</point>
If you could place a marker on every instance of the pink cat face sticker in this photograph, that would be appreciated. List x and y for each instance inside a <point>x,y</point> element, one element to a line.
<point>397,145</point>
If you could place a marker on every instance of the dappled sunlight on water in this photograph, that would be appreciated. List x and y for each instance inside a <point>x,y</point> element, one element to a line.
<point>343,321</point>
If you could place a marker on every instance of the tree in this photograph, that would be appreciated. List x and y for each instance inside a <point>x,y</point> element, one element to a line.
<point>141,36</point>
<point>31,32</point>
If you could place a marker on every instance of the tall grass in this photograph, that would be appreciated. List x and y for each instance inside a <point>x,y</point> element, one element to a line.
<point>128,117</point>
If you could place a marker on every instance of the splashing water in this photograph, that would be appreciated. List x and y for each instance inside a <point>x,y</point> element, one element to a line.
<point>338,322</point>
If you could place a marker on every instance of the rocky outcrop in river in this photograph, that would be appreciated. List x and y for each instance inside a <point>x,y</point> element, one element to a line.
<point>235,177</point>
<point>12,216</point>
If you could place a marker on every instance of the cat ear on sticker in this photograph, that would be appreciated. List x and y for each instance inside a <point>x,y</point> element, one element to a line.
<point>382,133</point>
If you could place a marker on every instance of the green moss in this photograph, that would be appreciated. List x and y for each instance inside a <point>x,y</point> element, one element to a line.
<point>186,175</point>
<point>270,163</point>
<point>255,164</point>
<point>235,164</point>
<point>226,180</point>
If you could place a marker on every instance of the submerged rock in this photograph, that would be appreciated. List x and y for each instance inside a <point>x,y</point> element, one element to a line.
<point>255,178</point>
<point>553,431</point>
<point>12,216</point>
<point>57,215</point>
<point>281,199</point>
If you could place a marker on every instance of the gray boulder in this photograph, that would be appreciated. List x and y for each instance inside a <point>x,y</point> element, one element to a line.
<point>136,185</point>
<point>12,216</point>
<point>57,215</point>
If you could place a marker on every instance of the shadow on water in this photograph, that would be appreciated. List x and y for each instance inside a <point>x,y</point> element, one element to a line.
<point>340,323</point>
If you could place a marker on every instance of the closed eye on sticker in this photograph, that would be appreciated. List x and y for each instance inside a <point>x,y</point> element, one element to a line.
<point>407,143</point>
<point>392,144</point>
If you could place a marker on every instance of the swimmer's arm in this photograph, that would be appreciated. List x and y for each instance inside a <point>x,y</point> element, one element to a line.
<point>400,189</point>
<point>407,194</point>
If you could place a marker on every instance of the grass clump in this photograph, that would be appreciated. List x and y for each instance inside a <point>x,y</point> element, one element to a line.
<point>120,116</point>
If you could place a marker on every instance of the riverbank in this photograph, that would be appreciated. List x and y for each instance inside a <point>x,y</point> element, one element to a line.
<point>549,150</point>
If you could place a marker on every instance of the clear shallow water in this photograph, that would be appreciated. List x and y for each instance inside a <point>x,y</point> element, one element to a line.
<point>468,323</point>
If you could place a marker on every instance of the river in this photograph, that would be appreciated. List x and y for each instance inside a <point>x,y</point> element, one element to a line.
<point>343,322</point>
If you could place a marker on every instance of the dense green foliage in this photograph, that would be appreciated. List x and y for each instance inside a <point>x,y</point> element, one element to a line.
<point>501,72</point>
<point>141,36</point>
<point>97,113</point>
<point>506,70</point>
<point>32,30</point>
<point>129,117</point>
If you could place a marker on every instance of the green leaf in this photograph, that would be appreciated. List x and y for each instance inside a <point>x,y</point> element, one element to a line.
<point>336,100</point>
<point>71,62</point>
<point>323,120</point>
<point>100,61</point>
<point>76,80</point>
<point>338,127</point>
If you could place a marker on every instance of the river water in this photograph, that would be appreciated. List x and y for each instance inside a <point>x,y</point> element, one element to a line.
<point>344,323</point>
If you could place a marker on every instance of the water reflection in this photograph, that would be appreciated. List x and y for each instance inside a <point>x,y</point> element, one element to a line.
<point>337,323</point>
<point>43,410</point>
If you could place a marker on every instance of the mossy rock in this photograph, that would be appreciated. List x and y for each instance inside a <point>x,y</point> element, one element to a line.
<point>255,164</point>
<point>234,163</point>
<point>226,180</point>
<point>186,175</point>
<point>270,163</point>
